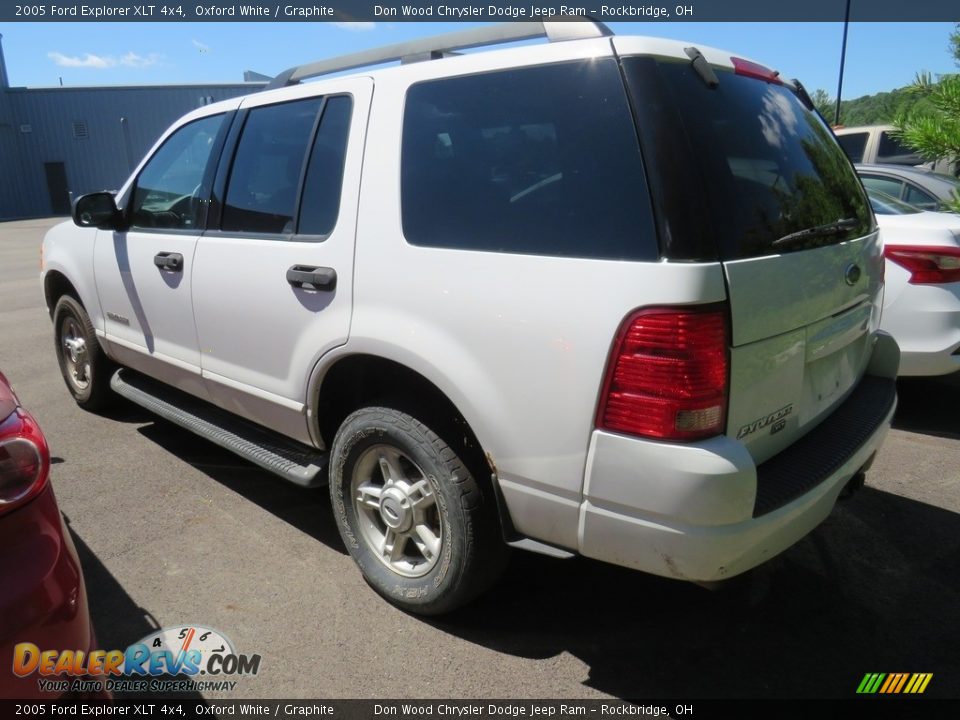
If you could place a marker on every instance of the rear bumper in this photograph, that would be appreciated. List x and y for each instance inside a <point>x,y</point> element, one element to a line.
<point>705,511</point>
<point>925,320</point>
<point>42,596</point>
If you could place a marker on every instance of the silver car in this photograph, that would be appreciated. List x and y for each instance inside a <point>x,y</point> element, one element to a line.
<point>920,188</point>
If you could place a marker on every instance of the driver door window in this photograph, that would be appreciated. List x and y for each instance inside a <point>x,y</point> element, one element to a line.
<point>170,190</point>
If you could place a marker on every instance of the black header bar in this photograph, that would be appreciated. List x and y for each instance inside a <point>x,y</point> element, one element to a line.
<point>477,10</point>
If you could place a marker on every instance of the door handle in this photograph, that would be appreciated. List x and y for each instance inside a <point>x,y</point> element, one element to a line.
<point>169,261</point>
<point>312,278</point>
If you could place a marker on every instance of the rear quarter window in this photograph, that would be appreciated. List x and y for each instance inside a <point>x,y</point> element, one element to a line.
<point>917,197</point>
<point>891,150</point>
<point>542,160</point>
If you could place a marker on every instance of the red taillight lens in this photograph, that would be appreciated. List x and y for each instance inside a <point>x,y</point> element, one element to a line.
<point>667,375</point>
<point>748,68</point>
<point>927,265</point>
<point>24,460</point>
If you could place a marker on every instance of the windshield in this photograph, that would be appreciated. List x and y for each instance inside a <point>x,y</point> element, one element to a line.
<point>884,204</point>
<point>745,161</point>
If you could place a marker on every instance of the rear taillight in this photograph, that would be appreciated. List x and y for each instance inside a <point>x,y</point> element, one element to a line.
<point>927,265</point>
<point>24,460</point>
<point>667,375</point>
<point>748,68</point>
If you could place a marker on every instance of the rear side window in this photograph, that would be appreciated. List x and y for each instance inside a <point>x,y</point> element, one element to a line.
<point>916,196</point>
<point>321,191</point>
<point>744,162</point>
<point>854,145</point>
<point>893,188</point>
<point>541,160</point>
<point>265,177</point>
<point>892,150</point>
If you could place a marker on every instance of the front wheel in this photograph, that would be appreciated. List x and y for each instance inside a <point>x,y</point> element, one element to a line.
<point>83,364</point>
<point>411,514</point>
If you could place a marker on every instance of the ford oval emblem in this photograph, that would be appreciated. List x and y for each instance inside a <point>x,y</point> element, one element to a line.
<point>852,274</point>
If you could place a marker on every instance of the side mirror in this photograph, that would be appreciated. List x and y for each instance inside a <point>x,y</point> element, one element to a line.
<point>97,210</point>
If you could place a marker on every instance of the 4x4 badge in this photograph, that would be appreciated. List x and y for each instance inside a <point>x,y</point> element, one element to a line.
<point>773,418</point>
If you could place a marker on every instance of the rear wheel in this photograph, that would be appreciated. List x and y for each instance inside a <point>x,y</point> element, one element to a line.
<point>411,514</point>
<point>85,368</point>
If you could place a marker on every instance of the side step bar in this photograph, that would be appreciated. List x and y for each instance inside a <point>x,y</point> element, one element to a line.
<point>290,460</point>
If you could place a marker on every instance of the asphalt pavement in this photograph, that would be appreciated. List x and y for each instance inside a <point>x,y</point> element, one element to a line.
<point>173,530</point>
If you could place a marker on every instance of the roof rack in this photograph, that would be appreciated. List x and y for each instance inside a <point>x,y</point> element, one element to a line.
<point>434,48</point>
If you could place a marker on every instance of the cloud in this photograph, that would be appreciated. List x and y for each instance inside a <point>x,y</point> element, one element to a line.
<point>355,26</point>
<point>200,46</point>
<point>102,62</point>
<point>131,59</point>
<point>88,60</point>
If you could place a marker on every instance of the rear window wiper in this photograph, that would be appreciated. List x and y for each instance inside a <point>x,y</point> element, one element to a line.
<point>833,228</point>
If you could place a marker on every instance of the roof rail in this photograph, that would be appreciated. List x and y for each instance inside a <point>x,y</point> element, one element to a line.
<point>433,48</point>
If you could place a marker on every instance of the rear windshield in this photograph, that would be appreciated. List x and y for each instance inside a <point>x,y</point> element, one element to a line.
<point>743,163</point>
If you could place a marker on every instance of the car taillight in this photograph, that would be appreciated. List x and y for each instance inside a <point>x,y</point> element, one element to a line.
<point>927,265</point>
<point>24,460</point>
<point>748,68</point>
<point>667,374</point>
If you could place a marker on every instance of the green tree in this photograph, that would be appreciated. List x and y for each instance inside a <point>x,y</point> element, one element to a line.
<point>824,105</point>
<point>933,128</point>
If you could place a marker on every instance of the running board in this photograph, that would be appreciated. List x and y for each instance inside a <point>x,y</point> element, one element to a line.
<point>290,460</point>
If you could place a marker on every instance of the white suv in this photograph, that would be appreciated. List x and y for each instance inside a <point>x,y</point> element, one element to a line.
<point>614,296</point>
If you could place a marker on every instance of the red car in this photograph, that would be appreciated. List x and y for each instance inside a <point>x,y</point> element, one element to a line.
<point>42,596</point>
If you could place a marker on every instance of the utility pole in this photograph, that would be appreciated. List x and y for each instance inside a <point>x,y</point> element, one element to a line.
<point>843,58</point>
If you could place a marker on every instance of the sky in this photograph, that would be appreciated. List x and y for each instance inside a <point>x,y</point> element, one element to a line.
<point>880,56</point>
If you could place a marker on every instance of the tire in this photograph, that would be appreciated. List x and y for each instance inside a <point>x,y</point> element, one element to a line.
<point>85,368</point>
<point>411,514</point>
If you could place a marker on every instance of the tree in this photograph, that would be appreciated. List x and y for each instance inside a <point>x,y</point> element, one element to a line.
<point>824,105</point>
<point>933,128</point>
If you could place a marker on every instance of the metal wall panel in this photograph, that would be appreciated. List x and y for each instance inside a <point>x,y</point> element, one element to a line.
<point>100,134</point>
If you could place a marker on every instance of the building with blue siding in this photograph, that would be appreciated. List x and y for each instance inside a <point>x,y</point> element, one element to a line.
<point>58,143</point>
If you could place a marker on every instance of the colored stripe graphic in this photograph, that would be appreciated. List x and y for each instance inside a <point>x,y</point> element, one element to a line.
<point>891,680</point>
<point>918,683</point>
<point>894,683</point>
<point>875,685</point>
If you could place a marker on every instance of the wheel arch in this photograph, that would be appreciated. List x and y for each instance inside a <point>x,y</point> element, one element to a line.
<point>55,285</point>
<point>361,379</point>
